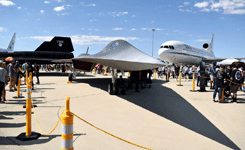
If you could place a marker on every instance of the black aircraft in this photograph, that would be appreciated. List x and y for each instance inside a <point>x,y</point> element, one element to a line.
<point>57,48</point>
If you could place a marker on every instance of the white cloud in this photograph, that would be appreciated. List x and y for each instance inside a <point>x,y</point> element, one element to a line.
<point>133,29</point>
<point>202,40</point>
<point>117,28</point>
<point>42,38</point>
<point>180,6</point>
<point>19,7</point>
<point>133,16</point>
<point>115,14</point>
<point>188,10</point>
<point>59,1</point>
<point>46,2</point>
<point>186,3</point>
<point>228,6</point>
<point>59,8</point>
<point>181,10</point>
<point>145,29</point>
<point>93,5</point>
<point>152,21</point>
<point>41,11</point>
<point>201,5</point>
<point>6,3</point>
<point>2,29</point>
<point>89,40</point>
<point>222,18</point>
<point>93,20</point>
<point>159,29</point>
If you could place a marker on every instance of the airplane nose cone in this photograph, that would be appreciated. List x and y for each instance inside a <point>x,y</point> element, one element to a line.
<point>161,52</point>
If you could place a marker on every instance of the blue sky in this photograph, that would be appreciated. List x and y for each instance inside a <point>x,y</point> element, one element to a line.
<point>95,23</point>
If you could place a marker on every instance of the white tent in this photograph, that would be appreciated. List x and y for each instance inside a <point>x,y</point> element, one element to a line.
<point>228,61</point>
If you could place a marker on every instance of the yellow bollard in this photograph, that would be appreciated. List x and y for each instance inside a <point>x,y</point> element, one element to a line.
<point>94,70</point>
<point>26,78</point>
<point>30,80</point>
<point>193,83</point>
<point>105,71</point>
<point>180,75</point>
<point>67,128</point>
<point>167,76</point>
<point>155,73</point>
<point>222,97</point>
<point>28,110</point>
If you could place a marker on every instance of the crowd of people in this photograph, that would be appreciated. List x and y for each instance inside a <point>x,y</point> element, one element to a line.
<point>228,78</point>
<point>11,71</point>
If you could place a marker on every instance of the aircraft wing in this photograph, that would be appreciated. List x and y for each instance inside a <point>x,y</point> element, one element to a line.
<point>120,55</point>
<point>209,61</point>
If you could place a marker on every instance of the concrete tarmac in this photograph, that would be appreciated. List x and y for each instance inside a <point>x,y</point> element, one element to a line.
<point>163,117</point>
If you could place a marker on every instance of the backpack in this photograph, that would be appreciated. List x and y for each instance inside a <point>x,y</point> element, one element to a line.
<point>238,75</point>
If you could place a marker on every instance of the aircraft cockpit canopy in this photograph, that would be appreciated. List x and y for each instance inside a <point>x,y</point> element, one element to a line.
<point>168,46</point>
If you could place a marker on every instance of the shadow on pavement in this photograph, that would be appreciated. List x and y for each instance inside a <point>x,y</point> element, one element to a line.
<point>10,140</point>
<point>167,103</point>
<point>60,74</point>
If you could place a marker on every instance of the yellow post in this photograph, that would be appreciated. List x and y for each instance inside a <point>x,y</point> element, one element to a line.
<point>180,75</point>
<point>105,71</point>
<point>155,73</point>
<point>26,79</point>
<point>18,88</point>
<point>222,97</point>
<point>30,79</point>
<point>94,70</point>
<point>167,76</point>
<point>28,110</point>
<point>67,128</point>
<point>193,82</point>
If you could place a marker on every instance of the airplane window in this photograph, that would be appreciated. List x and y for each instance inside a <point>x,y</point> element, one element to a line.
<point>171,46</point>
<point>161,47</point>
<point>165,46</point>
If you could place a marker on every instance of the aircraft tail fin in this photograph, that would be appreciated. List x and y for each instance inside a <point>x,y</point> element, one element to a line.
<point>11,44</point>
<point>211,43</point>
<point>57,44</point>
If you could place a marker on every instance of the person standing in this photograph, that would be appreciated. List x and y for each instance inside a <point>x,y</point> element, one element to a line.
<point>3,81</point>
<point>32,70</point>
<point>177,69</point>
<point>11,76</point>
<point>236,79</point>
<point>24,69</point>
<point>37,67</point>
<point>219,83</point>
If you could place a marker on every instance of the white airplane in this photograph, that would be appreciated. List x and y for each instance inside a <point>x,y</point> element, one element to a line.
<point>11,45</point>
<point>177,52</point>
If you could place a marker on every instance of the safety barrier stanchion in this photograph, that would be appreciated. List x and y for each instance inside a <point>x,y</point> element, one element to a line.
<point>67,128</point>
<point>155,74</point>
<point>94,70</point>
<point>167,78</point>
<point>18,90</point>
<point>26,78</point>
<point>193,83</point>
<point>28,135</point>
<point>222,97</point>
<point>180,75</point>
<point>105,71</point>
<point>30,80</point>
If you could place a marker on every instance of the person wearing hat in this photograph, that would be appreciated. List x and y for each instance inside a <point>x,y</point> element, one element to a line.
<point>3,79</point>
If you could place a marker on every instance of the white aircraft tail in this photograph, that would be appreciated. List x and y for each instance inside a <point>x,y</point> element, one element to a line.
<point>11,44</point>
<point>211,43</point>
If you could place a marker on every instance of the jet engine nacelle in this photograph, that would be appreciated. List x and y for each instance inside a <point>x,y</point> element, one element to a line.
<point>205,45</point>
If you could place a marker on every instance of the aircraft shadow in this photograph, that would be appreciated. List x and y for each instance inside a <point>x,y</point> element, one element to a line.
<point>57,74</point>
<point>167,103</point>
